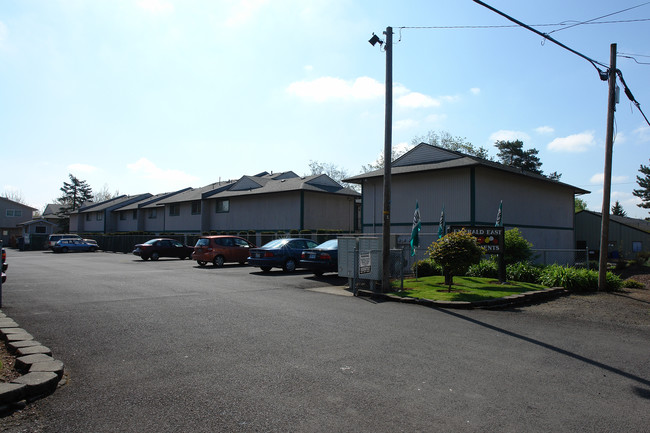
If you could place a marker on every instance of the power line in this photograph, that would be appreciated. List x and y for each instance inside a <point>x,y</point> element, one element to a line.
<point>505,26</point>
<point>604,75</point>
<point>604,16</point>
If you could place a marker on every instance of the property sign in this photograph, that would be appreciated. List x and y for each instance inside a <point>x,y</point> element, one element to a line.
<point>490,238</point>
<point>364,262</point>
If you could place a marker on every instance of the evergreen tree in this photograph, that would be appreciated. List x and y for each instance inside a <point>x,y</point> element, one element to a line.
<point>512,153</point>
<point>445,140</point>
<point>617,210</point>
<point>644,182</point>
<point>75,194</point>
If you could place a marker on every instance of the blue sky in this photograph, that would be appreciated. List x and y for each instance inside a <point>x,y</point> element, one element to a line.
<point>157,95</point>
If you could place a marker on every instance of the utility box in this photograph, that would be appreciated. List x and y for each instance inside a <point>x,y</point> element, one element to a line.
<point>360,258</point>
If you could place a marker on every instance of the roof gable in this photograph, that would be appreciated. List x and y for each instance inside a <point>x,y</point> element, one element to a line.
<point>425,154</point>
<point>247,183</point>
<point>324,181</point>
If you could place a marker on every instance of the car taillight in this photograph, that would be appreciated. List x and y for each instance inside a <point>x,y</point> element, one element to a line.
<point>4,256</point>
<point>268,254</point>
<point>303,255</point>
<point>325,256</point>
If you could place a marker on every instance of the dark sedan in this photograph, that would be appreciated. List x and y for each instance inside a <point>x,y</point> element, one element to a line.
<point>155,248</point>
<point>280,253</point>
<point>323,258</point>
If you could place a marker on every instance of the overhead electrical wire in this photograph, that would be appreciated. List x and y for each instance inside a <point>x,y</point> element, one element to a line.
<point>594,19</point>
<point>604,75</point>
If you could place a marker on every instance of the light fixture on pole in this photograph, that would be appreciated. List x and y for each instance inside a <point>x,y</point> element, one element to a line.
<point>388,132</point>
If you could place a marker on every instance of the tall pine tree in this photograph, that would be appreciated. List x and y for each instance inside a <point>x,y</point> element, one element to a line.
<point>512,153</point>
<point>617,209</point>
<point>644,182</point>
<point>75,194</point>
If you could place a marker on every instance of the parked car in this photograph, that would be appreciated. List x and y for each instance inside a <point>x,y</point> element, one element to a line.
<point>280,253</point>
<point>323,258</point>
<point>221,249</point>
<point>162,247</point>
<point>66,245</point>
<point>4,265</point>
<point>53,239</point>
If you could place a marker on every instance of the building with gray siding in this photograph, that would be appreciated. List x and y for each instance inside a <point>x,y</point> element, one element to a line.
<point>471,190</point>
<point>627,236</point>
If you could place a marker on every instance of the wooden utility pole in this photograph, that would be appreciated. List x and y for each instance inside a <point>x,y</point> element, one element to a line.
<point>607,174</point>
<point>388,128</point>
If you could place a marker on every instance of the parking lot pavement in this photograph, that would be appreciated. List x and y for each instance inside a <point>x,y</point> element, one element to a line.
<point>168,346</point>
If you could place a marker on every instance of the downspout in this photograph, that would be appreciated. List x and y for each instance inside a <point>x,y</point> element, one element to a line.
<point>302,210</point>
<point>472,195</point>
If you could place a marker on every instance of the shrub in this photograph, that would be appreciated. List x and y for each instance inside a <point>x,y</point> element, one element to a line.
<point>484,269</point>
<point>633,284</point>
<point>426,268</point>
<point>524,272</point>
<point>455,252</point>
<point>577,280</point>
<point>517,249</point>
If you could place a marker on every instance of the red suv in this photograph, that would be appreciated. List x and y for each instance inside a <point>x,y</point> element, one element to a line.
<point>221,249</point>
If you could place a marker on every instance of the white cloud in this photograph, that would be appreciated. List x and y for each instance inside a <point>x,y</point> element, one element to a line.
<point>436,118</point>
<point>475,90</point>
<point>406,124</point>
<point>82,168</point>
<point>643,133</point>
<point>573,143</point>
<point>620,138</point>
<point>330,88</point>
<point>416,100</point>
<point>148,170</point>
<point>599,178</point>
<point>308,68</point>
<point>544,130</point>
<point>505,135</point>
<point>156,6</point>
<point>243,10</point>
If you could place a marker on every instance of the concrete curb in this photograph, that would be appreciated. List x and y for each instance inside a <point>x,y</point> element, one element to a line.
<point>525,298</point>
<point>40,372</point>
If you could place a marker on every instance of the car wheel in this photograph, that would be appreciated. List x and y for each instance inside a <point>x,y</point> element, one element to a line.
<point>265,268</point>
<point>318,273</point>
<point>145,258</point>
<point>201,263</point>
<point>155,256</point>
<point>64,249</point>
<point>93,249</point>
<point>289,265</point>
<point>182,257</point>
<point>218,261</point>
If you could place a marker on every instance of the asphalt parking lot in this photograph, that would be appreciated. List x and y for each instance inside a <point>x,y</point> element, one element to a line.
<point>168,346</point>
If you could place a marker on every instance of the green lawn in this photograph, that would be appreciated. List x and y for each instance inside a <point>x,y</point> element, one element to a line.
<point>464,288</point>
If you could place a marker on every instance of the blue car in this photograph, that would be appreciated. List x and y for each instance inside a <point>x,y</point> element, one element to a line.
<point>280,253</point>
<point>66,245</point>
<point>323,258</point>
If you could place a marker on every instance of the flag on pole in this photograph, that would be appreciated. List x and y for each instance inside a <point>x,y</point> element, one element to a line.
<point>415,231</point>
<point>499,223</point>
<point>441,224</point>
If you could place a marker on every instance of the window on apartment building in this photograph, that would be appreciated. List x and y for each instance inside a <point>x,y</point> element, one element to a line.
<point>174,210</point>
<point>40,230</point>
<point>196,208</point>
<point>88,217</point>
<point>152,214</point>
<point>637,246</point>
<point>223,206</point>
<point>14,213</point>
<point>135,214</point>
<point>100,216</point>
<point>123,216</point>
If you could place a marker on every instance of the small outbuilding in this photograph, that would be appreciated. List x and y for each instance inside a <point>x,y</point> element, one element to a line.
<point>627,236</point>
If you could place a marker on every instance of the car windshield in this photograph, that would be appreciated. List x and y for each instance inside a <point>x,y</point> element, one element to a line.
<point>203,242</point>
<point>278,243</point>
<point>332,244</point>
<point>151,242</point>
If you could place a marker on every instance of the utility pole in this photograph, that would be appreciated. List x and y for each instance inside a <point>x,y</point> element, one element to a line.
<point>388,128</point>
<point>607,174</point>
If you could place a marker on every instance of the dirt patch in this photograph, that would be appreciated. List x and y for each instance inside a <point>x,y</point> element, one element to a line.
<point>7,372</point>
<point>628,307</point>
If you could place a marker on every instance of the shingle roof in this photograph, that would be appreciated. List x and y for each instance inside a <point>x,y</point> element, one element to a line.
<point>425,157</point>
